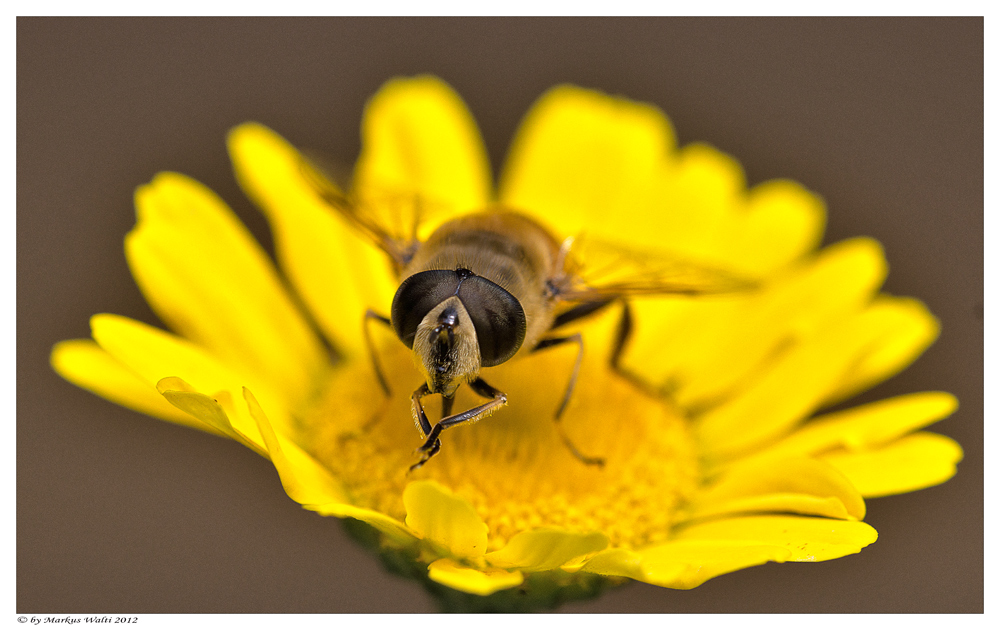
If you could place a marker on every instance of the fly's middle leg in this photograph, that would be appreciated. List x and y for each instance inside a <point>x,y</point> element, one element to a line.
<point>556,341</point>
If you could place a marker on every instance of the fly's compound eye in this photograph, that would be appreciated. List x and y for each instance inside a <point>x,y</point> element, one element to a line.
<point>496,315</point>
<point>416,296</point>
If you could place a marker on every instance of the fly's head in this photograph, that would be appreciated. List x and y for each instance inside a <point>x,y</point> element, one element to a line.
<point>456,323</point>
<point>446,348</point>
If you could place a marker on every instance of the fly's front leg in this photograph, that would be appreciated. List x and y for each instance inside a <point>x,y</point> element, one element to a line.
<point>433,443</point>
<point>556,341</point>
<point>447,402</point>
<point>369,316</point>
<point>419,417</point>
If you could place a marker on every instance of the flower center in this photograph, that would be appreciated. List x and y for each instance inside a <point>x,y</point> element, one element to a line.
<point>513,466</point>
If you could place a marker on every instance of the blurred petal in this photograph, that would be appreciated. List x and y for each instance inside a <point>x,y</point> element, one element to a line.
<point>684,564</point>
<point>799,485</point>
<point>545,549</point>
<point>396,531</point>
<point>585,161</point>
<point>453,575</point>
<point>906,329</point>
<point>777,503</point>
<point>419,139</point>
<point>868,425</point>
<point>709,346</point>
<point>444,518</point>
<point>783,221</point>
<point>84,363</point>
<point>691,209</point>
<point>304,479</point>
<point>689,563</point>
<point>808,539</point>
<point>800,381</point>
<point>337,273</point>
<point>702,211</point>
<point>596,164</point>
<point>616,561</point>
<point>204,274</point>
<point>916,461</point>
<point>674,339</point>
<point>839,280</point>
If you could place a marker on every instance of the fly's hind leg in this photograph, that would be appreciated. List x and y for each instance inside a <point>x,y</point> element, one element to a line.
<point>432,444</point>
<point>369,316</point>
<point>622,336</point>
<point>621,340</point>
<point>549,343</point>
<point>557,341</point>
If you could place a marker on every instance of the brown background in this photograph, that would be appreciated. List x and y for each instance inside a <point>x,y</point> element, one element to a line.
<point>118,512</point>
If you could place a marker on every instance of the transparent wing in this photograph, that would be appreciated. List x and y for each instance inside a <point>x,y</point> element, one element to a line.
<point>601,271</point>
<point>392,220</point>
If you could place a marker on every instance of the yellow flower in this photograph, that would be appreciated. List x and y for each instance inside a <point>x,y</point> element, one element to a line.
<point>715,459</point>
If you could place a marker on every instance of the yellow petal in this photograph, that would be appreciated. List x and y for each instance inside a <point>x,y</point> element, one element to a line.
<point>585,161</point>
<point>604,166</point>
<point>782,222</point>
<point>783,396</point>
<point>154,354</point>
<point>617,562</point>
<point>675,340</point>
<point>689,563</point>
<point>703,212</point>
<point>419,139</point>
<point>838,281</point>
<point>868,425</point>
<point>213,410</point>
<point>808,539</point>
<point>393,529</point>
<point>777,503</point>
<point>684,564</point>
<point>906,330</point>
<point>201,406</point>
<point>800,380</point>
<point>84,363</point>
<point>453,575</point>
<point>438,515</point>
<point>545,549</point>
<point>799,485</point>
<point>707,347</point>
<point>693,206</point>
<point>304,479</point>
<point>336,272</point>
<point>204,274</point>
<point>916,461</point>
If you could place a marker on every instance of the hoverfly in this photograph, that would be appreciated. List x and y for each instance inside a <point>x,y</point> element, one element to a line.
<point>487,286</point>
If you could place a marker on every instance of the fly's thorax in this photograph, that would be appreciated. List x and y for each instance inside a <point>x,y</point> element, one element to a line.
<point>507,248</point>
<point>446,348</point>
